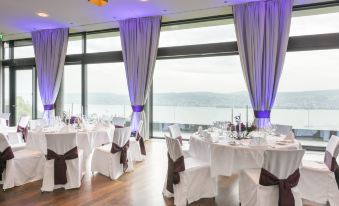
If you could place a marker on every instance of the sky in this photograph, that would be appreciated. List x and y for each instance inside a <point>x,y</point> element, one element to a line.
<point>303,71</point>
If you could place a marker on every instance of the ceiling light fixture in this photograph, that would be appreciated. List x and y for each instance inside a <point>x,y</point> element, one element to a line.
<point>42,14</point>
<point>98,2</point>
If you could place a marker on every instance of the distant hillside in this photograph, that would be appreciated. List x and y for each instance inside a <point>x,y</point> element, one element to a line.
<point>328,99</point>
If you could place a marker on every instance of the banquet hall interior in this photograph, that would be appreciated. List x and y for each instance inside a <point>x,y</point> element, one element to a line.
<point>169,102</point>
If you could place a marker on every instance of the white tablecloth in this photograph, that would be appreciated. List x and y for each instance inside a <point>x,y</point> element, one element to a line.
<point>86,140</point>
<point>226,159</point>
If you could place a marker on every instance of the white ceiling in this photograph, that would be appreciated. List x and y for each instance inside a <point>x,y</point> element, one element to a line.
<point>18,18</point>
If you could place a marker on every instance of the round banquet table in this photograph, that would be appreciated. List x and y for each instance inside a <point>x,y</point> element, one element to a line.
<point>226,159</point>
<point>86,140</point>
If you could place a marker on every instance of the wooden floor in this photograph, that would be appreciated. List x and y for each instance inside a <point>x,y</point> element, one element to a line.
<point>143,187</point>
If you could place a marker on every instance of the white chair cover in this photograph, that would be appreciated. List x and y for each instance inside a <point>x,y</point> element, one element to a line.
<point>107,163</point>
<point>195,181</point>
<point>175,133</point>
<point>17,137</point>
<point>282,129</point>
<point>119,121</point>
<point>317,182</point>
<point>135,145</point>
<point>5,117</point>
<point>26,166</point>
<point>280,163</point>
<point>61,143</point>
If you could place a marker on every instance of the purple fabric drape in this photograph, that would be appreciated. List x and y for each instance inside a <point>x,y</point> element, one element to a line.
<point>286,197</point>
<point>50,48</point>
<point>262,30</point>
<point>331,163</point>
<point>140,139</point>
<point>5,155</point>
<point>139,40</point>
<point>173,176</point>
<point>123,154</point>
<point>60,166</point>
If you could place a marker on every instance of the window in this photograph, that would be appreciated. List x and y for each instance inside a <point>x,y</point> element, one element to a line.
<point>74,45</point>
<point>196,92</point>
<point>23,49</point>
<point>315,21</point>
<point>24,93</point>
<point>198,33</point>
<point>72,89</point>
<point>107,90</point>
<point>308,94</point>
<point>6,50</point>
<point>103,42</point>
<point>6,90</point>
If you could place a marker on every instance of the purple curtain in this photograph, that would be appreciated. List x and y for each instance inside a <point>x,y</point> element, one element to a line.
<point>139,40</point>
<point>262,30</point>
<point>50,48</point>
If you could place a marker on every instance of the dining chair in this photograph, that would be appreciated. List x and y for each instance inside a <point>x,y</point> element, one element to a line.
<point>319,181</point>
<point>113,160</point>
<point>137,145</point>
<point>175,133</point>
<point>276,183</point>
<point>63,168</point>
<point>188,179</point>
<point>19,167</point>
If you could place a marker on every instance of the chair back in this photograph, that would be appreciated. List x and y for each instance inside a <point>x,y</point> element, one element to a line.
<point>174,148</point>
<point>174,131</point>
<point>23,122</point>
<point>121,136</point>
<point>3,142</point>
<point>119,121</point>
<point>61,143</point>
<point>333,146</point>
<point>283,129</point>
<point>4,118</point>
<point>282,163</point>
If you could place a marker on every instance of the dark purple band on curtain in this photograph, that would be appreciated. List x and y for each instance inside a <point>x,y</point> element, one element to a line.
<point>262,114</point>
<point>49,107</point>
<point>137,108</point>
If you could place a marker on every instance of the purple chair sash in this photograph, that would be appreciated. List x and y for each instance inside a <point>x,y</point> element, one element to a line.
<point>286,197</point>
<point>332,165</point>
<point>60,166</point>
<point>141,144</point>
<point>5,155</point>
<point>118,126</point>
<point>24,131</point>
<point>180,140</point>
<point>173,170</point>
<point>123,157</point>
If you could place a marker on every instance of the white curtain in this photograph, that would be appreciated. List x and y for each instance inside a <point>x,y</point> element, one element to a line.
<point>262,30</point>
<point>139,40</point>
<point>50,48</point>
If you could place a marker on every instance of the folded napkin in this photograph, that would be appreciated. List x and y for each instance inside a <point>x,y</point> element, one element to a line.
<point>290,136</point>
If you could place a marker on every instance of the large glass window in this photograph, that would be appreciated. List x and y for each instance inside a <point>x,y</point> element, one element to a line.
<point>103,42</point>
<point>23,49</point>
<point>107,90</point>
<point>315,21</point>
<point>6,50</point>
<point>6,89</point>
<point>24,93</point>
<point>74,45</point>
<point>196,92</point>
<point>72,89</point>
<point>197,33</point>
<point>308,94</point>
